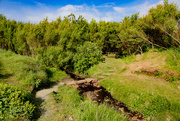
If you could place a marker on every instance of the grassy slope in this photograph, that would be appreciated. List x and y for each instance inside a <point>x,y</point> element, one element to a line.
<point>22,71</point>
<point>26,72</point>
<point>157,99</point>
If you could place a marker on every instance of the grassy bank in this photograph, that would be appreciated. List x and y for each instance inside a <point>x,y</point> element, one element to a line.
<point>26,72</point>
<point>156,98</point>
<point>19,76</point>
<point>67,104</point>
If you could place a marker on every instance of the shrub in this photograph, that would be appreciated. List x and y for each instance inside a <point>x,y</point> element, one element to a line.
<point>14,103</point>
<point>87,55</point>
<point>55,56</point>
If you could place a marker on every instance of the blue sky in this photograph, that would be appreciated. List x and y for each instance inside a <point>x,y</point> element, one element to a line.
<point>108,10</point>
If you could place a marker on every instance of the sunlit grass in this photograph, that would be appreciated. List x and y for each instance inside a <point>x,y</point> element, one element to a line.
<point>26,72</point>
<point>140,92</point>
<point>68,104</point>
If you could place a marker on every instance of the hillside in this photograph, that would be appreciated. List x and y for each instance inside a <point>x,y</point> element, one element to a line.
<point>72,69</point>
<point>149,83</point>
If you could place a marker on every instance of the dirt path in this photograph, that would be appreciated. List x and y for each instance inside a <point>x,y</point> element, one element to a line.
<point>43,93</point>
<point>42,97</point>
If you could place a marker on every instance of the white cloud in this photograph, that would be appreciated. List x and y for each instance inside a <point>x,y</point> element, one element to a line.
<point>39,4</point>
<point>107,12</point>
<point>141,8</point>
<point>87,12</point>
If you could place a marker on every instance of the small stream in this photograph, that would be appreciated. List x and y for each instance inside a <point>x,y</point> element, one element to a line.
<point>99,95</point>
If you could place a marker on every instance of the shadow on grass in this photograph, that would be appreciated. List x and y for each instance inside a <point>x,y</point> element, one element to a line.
<point>39,111</point>
<point>4,76</point>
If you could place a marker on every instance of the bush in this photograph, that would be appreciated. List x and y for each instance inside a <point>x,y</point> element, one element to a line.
<point>55,56</point>
<point>14,103</point>
<point>87,55</point>
<point>55,74</point>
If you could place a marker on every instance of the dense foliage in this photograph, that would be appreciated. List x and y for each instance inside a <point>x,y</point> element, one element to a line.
<point>14,103</point>
<point>87,55</point>
<point>60,39</point>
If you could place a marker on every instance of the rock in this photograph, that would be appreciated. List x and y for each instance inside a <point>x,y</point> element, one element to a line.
<point>133,119</point>
<point>71,118</point>
<point>75,86</point>
<point>96,85</point>
<point>90,95</point>
<point>121,109</point>
<point>94,81</point>
<point>81,81</point>
<point>71,83</point>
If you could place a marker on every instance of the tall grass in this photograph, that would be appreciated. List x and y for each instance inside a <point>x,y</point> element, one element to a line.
<point>23,71</point>
<point>26,72</point>
<point>151,102</point>
<point>73,105</point>
<point>173,59</point>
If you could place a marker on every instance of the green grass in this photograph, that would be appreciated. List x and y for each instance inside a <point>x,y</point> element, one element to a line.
<point>71,105</point>
<point>55,75</point>
<point>173,59</point>
<point>152,97</point>
<point>26,72</point>
<point>128,59</point>
<point>157,100</point>
<point>21,71</point>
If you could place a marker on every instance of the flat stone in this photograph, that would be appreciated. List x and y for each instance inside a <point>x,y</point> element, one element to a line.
<point>75,86</point>
<point>71,83</point>
<point>80,81</point>
<point>98,86</point>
